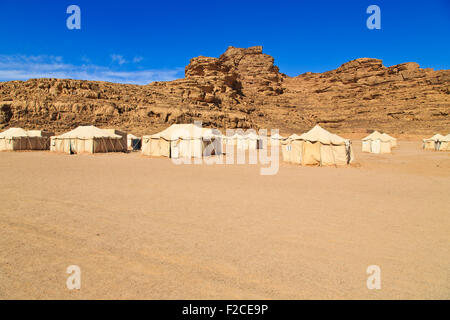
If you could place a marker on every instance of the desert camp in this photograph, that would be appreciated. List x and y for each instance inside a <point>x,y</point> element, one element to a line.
<point>88,139</point>
<point>15,139</point>
<point>183,141</point>
<point>317,147</point>
<point>225,157</point>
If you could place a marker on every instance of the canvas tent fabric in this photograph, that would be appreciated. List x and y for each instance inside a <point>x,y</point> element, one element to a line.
<point>133,142</point>
<point>317,147</point>
<point>15,139</point>
<point>183,141</point>
<point>377,143</point>
<point>123,141</point>
<point>288,148</point>
<point>87,139</point>
<point>445,143</point>
<point>433,143</point>
<point>392,140</point>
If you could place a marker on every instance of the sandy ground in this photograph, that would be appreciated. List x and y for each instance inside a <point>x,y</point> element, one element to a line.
<point>142,227</point>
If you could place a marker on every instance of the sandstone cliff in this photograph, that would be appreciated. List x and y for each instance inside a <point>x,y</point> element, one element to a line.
<point>242,88</point>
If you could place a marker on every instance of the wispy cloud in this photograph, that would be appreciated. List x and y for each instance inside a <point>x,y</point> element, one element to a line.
<point>118,58</point>
<point>137,59</point>
<point>24,67</point>
<point>85,59</point>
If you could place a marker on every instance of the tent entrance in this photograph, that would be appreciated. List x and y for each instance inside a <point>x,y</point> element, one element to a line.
<point>376,146</point>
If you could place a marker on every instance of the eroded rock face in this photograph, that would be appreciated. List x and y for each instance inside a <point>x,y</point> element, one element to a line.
<point>242,88</point>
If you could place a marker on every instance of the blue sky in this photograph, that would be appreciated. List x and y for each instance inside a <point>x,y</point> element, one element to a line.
<point>139,41</point>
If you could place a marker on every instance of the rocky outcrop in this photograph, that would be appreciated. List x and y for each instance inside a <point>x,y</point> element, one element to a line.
<point>242,88</point>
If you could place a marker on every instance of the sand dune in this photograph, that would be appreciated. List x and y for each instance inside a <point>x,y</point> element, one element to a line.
<point>145,228</point>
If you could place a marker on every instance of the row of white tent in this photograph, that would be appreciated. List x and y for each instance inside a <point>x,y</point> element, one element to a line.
<point>83,139</point>
<point>315,147</point>
<point>190,140</point>
<point>437,142</point>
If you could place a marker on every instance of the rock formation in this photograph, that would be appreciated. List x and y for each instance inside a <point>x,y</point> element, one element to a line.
<point>242,88</point>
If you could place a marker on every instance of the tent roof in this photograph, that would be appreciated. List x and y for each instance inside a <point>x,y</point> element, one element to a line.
<point>88,132</point>
<point>435,137</point>
<point>388,137</point>
<point>186,132</point>
<point>14,133</point>
<point>131,136</point>
<point>373,136</point>
<point>446,138</point>
<point>379,136</point>
<point>323,136</point>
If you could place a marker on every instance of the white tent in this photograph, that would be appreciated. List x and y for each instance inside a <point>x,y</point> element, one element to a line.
<point>317,147</point>
<point>183,140</point>
<point>433,143</point>
<point>88,139</point>
<point>19,139</point>
<point>378,143</point>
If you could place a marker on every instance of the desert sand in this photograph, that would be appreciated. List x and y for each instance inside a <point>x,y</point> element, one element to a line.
<point>145,228</point>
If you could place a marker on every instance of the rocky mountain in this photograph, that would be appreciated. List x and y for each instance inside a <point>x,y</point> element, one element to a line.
<point>242,89</point>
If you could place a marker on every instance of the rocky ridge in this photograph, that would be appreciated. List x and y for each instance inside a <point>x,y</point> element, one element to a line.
<point>242,89</point>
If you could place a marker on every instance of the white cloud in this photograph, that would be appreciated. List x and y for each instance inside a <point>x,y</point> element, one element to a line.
<point>22,67</point>
<point>118,58</point>
<point>137,59</point>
